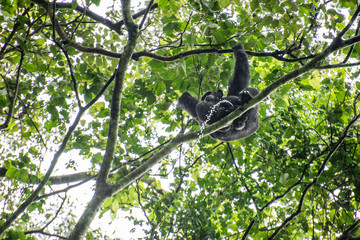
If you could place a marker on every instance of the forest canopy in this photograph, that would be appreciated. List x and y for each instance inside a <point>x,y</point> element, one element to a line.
<point>88,103</point>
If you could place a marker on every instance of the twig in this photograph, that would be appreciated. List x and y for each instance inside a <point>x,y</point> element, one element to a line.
<point>320,170</point>
<point>14,97</point>
<point>145,14</point>
<point>53,163</point>
<point>15,28</point>
<point>71,73</point>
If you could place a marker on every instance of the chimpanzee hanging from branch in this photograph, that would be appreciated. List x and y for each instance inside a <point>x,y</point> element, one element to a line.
<point>214,106</point>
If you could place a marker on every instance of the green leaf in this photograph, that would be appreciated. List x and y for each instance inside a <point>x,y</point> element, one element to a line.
<point>115,205</point>
<point>280,103</point>
<point>15,235</point>
<point>195,189</point>
<point>283,178</point>
<point>357,83</point>
<point>108,202</point>
<point>31,67</point>
<point>10,173</point>
<point>40,41</point>
<point>96,2</point>
<point>288,133</point>
<point>160,88</point>
<point>74,4</point>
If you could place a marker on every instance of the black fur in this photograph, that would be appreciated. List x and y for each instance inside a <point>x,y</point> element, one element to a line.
<point>213,106</point>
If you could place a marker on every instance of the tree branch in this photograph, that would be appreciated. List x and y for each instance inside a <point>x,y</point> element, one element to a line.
<point>14,97</point>
<point>346,234</point>
<point>15,28</point>
<point>102,187</point>
<point>65,38</point>
<point>340,65</point>
<point>53,163</point>
<point>113,26</point>
<point>182,138</point>
<point>146,13</point>
<point>320,170</point>
<point>275,54</point>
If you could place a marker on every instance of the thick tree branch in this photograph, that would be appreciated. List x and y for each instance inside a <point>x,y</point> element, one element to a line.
<point>133,32</point>
<point>102,187</point>
<point>276,54</point>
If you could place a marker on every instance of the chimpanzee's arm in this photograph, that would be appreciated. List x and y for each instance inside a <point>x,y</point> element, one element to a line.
<point>188,103</point>
<point>241,75</point>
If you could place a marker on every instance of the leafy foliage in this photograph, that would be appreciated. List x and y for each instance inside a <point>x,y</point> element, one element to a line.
<point>297,177</point>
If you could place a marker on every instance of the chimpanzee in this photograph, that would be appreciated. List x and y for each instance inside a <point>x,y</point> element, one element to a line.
<point>213,106</point>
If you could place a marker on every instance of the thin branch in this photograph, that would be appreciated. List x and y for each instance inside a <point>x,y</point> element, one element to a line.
<point>71,73</point>
<point>15,28</point>
<point>355,102</point>
<point>51,235</point>
<point>113,26</point>
<point>140,204</point>
<point>242,177</point>
<point>51,220</point>
<point>43,182</point>
<point>90,14</point>
<point>32,122</point>
<point>352,47</point>
<point>346,233</point>
<point>137,15</point>
<point>348,26</point>
<point>53,163</point>
<point>66,39</point>
<point>299,182</point>
<point>14,97</point>
<point>340,65</point>
<point>145,14</point>
<point>320,170</point>
<point>275,54</point>
<point>65,190</point>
